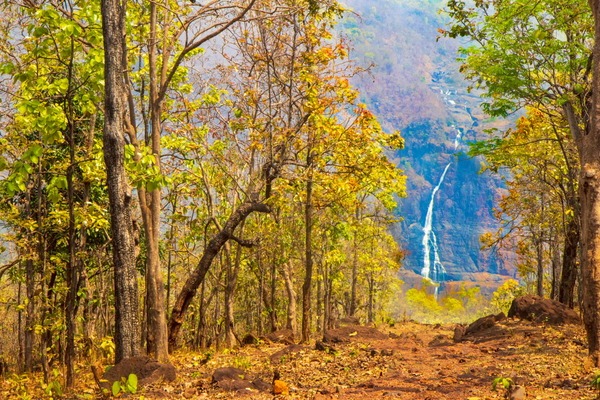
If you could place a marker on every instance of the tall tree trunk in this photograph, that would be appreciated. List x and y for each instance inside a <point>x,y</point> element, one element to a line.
<point>72,265</point>
<point>72,272</point>
<point>127,324</point>
<point>589,187</point>
<point>370,314</point>
<point>188,291</point>
<point>232,275</point>
<point>353,301</point>
<point>326,305</point>
<point>566,292</point>
<point>320,302</point>
<point>272,296</point>
<point>556,267</point>
<point>291,322</point>
<point>156,320</point>
<point>307,285</point>
<point>539,249</point>
<point>29,314</point>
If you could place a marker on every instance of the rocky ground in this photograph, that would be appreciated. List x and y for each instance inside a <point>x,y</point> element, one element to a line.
<point>407,361</point>
<point>546,359</point>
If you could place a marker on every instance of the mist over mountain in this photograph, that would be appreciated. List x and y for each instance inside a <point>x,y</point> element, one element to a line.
<point>415,87</point>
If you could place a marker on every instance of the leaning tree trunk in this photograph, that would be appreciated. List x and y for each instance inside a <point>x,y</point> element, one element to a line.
<point>589,187</point>
<point>127,325</point>
<point>196,278</point>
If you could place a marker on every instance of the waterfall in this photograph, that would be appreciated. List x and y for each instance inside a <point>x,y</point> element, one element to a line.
<point>433,269</point>
<point>457,138</point>
<point>437,271</point>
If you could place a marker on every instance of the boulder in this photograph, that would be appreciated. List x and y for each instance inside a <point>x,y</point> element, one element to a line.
<point>483,323</point>
<point>228,374</point>
<point>538,309</point>
<point>145,368</point>
<point>237,380</point>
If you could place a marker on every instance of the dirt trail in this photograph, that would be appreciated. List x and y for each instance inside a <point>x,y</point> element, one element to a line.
<point>408,361</point>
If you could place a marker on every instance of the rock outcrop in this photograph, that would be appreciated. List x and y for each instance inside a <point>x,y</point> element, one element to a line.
<point>538,309</point>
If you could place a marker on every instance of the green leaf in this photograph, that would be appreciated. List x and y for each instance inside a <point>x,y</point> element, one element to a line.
<point>116,388</point>
<point>132,383</point>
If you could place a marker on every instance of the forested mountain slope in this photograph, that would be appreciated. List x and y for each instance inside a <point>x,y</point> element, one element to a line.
<point>415,86</point>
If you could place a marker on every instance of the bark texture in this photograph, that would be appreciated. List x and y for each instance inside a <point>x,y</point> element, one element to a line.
<point>127,324</point>
<point>589,187</point>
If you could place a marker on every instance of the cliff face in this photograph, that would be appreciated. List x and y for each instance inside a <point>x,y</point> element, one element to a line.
<point>415,87</point>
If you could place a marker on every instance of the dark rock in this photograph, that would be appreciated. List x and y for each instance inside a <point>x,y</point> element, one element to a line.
<point>228,374</point>
<point>237,380</point>
<point>324,347</point>
<point>387,352</point>
<point>262,385</point>
<point>440,340</point>
<point>287,351</point>
<point>459,333</point>
<point>250,339</point>
<point>538,309</point>
<point>482,324</point>
<point>145,368</point>
<point>233,385</point>
<point>372,352</point>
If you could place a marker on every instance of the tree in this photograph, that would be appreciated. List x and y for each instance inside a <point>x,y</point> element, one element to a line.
<point>173,37</point>
<point>53,176</point>
<point>553,40</point>
<point>534,54</point>
<point>127,326</point>
<point>537,209</point>
<point>589,187</point>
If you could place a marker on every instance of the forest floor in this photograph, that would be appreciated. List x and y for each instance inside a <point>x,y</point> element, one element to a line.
<point>407,361</point>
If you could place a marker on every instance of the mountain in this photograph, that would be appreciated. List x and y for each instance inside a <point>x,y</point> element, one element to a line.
<point>415,86</point>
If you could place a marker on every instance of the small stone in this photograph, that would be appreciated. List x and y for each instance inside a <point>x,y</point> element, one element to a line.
<point>518,393</point>
<point>227,373</point>
<point>387,353</point>
<point>459,333</point>
<point>324,347</point>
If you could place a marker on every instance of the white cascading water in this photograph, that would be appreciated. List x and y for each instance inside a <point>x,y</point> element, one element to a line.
<point>436,271</point>
<point>433,269</point>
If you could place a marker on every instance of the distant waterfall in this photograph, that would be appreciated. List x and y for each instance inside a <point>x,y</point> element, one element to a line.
<point>434,271</point>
